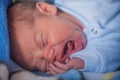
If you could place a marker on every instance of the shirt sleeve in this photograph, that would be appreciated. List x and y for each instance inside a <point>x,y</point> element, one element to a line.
<point>100,58</point>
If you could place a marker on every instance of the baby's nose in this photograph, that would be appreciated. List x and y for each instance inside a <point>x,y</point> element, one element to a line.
<point>50,56</point>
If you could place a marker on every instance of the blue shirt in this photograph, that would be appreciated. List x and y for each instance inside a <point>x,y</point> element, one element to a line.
<point>101,20</point>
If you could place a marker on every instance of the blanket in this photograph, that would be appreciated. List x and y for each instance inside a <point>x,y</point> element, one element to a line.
<point>69,75</point>
<point>4,42</point>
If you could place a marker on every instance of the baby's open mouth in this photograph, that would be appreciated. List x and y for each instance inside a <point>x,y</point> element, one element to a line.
<point>69,46</point>
<point>68,49</point>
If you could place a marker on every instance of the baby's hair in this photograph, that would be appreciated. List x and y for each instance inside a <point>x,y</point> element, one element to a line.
<point>22,11</point>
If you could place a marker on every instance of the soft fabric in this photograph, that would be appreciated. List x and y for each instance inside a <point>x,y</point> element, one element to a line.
<point>3,72</point>
<point>102,76</point>
<point>26,75</point>
<point>4,38</point>
<point>68,75</point>
<point>101,20</point>
<point>71,75</point>
<point>4,41</point>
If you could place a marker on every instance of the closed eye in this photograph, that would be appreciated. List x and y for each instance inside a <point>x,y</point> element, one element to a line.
<point>40,40</point>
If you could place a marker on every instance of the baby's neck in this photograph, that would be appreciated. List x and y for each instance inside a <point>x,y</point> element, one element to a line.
<point>70,18</point>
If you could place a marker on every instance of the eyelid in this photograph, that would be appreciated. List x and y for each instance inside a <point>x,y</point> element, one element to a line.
<point>43,41</point>
<point>40,42</point>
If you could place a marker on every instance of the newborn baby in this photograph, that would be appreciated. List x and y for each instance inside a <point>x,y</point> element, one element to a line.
<point>43,37</point>
<point>50,38</point>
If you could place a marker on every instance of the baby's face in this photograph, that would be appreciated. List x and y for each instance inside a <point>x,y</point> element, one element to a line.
<point>48,40</point>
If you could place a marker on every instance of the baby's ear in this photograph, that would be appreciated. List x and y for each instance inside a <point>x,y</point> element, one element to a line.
<point>46,8</point>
